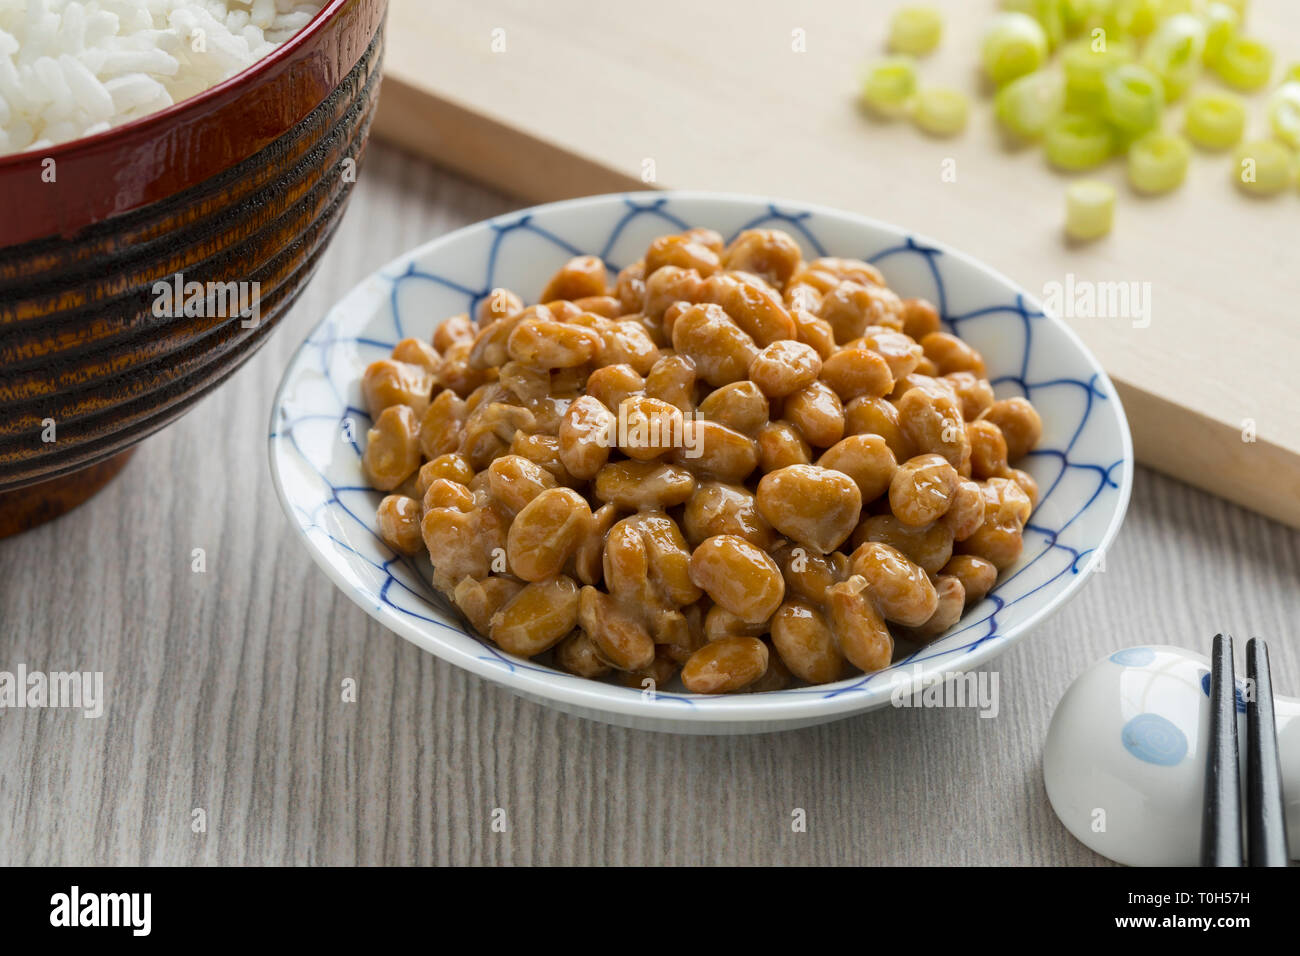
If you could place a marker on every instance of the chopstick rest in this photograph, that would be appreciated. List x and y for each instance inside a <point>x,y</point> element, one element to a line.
<point>1124,763</point>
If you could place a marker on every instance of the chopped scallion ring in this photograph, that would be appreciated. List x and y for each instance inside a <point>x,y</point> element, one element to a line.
<point>1132,17</point>
<point>1134,98</point>
<point>1264,167</point>
<point>1157,162</point>
<point>1050,15</point>
<point>1025,106</point>
<point>1086,66</point>
<point>915,30</point>
<point>1244,63</point>
<point>1089,209</point>
<point>940,110</point>
<point>1215,120</point>
<point>1014,44</point>
<point>1284,113</point>
<point>1174,53</point>
<point>889,86</point>
<point>1074,141</point>
<point>1075,14</point>
<point>1221,25</point>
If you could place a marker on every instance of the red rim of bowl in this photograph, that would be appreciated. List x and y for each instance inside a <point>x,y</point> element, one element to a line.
<point>92,198</point>
<point>60,150</point>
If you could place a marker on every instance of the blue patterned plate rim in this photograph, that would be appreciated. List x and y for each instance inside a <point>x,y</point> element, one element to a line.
<point>859,693</point>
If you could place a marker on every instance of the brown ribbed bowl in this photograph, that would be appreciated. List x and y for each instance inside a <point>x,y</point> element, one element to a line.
<point>244,183</point>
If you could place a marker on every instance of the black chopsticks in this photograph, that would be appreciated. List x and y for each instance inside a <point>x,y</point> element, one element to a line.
<point>1221,824</point>
<point>1266,819</point>
<point>1221,843</point>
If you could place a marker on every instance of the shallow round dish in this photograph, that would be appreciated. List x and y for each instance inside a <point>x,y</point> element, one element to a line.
<point>1083,464</point>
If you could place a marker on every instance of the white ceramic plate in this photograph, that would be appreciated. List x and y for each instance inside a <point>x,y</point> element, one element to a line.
<point>1083,465</point>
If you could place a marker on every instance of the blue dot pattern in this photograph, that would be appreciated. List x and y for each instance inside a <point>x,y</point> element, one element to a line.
<point>1081,494</point>
<point>1238,691</point>
<point>1134,657</point>
<point>1154,739</point>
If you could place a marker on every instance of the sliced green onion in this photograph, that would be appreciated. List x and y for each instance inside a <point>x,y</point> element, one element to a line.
<point>1074,141</point>
<point>1172,8</point>
<point>1075,15</point>
<point>1090,104</point>
<point>1215,120</point>
<point>1014,45</point>
<point>1025,106</point>
<point>915,30</point>
<point>889,86</point>
<point>1089,209</point>
<point>1157,162</point>
<point>1244,63</point>
<point>940,110</point>
<point>1263,167</point>
<point>1132,17</point>
<point>1239,6</point>
<point>1048,13</point>
<point>1284,113</point>
<point>1292,74</point>
<point>1086,66</point>
<point>1174,53</point>
<point>1134,98</point>
<point>1221,25</point>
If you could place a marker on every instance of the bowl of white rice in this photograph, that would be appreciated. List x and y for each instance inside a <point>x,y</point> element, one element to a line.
<point>170,172</point>
<point>72,69</point>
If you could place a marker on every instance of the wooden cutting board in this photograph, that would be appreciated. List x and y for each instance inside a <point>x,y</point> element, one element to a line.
<point>567,98</point>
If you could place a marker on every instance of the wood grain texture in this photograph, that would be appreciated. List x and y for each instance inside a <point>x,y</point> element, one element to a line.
<point>223,688</point>
<point>568,98</point>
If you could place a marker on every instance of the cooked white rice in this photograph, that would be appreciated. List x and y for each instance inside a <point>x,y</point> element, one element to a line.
<point>70,69</point>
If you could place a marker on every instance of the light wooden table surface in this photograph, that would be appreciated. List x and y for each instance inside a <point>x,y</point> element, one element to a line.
<point>222,687</point>
<point>757,96</point>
